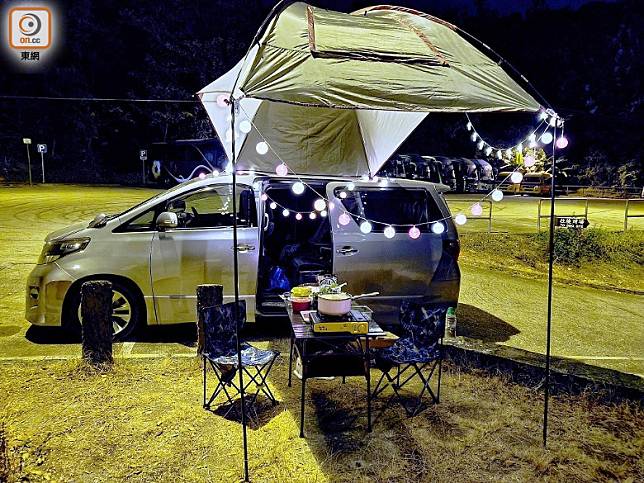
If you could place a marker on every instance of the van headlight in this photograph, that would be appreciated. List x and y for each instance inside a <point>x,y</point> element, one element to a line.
<point>52,251</point>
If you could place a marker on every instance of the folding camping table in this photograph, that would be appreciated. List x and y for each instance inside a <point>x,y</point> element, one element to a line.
<point>332,355</point>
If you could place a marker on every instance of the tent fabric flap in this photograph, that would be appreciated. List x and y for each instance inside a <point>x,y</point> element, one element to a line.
<point>379,58</point>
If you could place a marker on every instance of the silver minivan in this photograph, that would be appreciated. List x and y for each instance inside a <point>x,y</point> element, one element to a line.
<point>157,252</point>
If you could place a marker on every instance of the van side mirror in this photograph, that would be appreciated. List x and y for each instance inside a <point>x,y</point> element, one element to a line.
<point>167,220</point>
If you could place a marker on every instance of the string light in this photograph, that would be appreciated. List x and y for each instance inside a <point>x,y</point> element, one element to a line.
<point>264,197</point>
<point>351,186</point>
<point>285,213</point>
<point>298,216</point>
<point>529,161</point>
<point>390,232</point>
<point>469,128</point>
<point>497,194</point>
<point>319,204</point>
<point>261,148</point>
<point>323,213</point>
<point>344,219</point>
<point>366,227</point>
<point>477,209</point>
<point>312,216</point>
<point>543,115</point>
<point>273,205</point>
<point>460,219</point>
<point>343,195</point>
<point>546,137</point>
<point>281,170</point>
<point>474,137</point>
<point>516,177</point>
<point>562,142</point>
<point>222,100</point>
<point>245,126</point>
<point>488,151</point>
<point>438,228</point>
<point>298,188</point>
<point>480,145</point>
<point>414,232</point>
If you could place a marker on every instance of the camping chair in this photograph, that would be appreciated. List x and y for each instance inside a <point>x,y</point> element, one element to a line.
<point>414,356</point>
<point>220,351</point>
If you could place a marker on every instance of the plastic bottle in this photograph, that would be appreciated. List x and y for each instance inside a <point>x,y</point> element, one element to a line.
<point>450,322</point>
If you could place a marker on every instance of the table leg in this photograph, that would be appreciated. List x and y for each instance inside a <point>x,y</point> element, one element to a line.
<point>290,363</point>
<point>303,360</point>
<point>368,364</point>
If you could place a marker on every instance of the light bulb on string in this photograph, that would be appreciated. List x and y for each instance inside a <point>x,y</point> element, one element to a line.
<point>312,216</point>
<point>298,216</point>
<point>543,115</point>
<point>264,197</point>
<point>468,126</point>
<point>202,175</point>
<point>480,145</point>
<point>438,228</point>
<point>508,152</point>
<point>323,213</point>
<point>460,219</point>
<point>375,179</point>
<point>414,232</point>
<point>473,137</point>
<point>488,151</point>
<point>222,100</point>
<point>298,188</point>
<point>390,232</point>
<point>365,227</point>
<point>245,126</point>
<point>285,213</point>
<point>215,173</point>
<point>281,170</point>
<point>553,121</point>
<point>529,161</point>
<point>344,219</point>
<point>477,209</point>
<point>351,186</point>
<point>499,154</point>
<point>562,142</point>
<point>516,177</point>
<point>343,194</point>
<point>497,195</point>
<point>319,204</point>
<point>273,205</point>
<point>546,137</point>
<point>261,148</point>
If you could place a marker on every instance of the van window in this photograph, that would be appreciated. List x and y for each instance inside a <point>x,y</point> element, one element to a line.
<point>212,207</point>
<point>400,206</point>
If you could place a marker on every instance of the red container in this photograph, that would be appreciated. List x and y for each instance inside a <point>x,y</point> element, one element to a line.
<point>301,303</point>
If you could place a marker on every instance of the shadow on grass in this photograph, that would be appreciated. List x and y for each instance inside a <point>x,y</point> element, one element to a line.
<point>51,335</point>
<point>258,414</point>
<point>475,323</point>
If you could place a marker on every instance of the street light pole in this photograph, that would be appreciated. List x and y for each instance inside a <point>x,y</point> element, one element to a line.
<point>42,163</point>
<point>29,164</point>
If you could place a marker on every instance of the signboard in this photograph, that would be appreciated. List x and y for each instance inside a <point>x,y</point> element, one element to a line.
<point>143,154</point>
<point>42,148</point>
<point>577,222</point>
<point>26,140</point>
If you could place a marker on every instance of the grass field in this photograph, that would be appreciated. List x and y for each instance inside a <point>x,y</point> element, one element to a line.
<point>143,421</point>
<point>500,303</point>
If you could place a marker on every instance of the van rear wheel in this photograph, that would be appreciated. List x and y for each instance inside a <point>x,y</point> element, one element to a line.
<point>126,310</point>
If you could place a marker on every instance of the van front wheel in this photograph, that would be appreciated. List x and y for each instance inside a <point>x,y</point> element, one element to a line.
<point>126,311</point>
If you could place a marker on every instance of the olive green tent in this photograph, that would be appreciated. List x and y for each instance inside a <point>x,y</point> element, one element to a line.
<point>347,89</point>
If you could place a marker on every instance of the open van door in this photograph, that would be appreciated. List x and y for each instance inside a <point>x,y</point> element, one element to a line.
<point>398,267</point>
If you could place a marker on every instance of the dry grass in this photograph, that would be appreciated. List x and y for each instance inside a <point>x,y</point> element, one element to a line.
<point>143,421</point>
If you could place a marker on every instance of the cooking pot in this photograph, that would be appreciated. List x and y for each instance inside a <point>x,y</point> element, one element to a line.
<point>337,304</point>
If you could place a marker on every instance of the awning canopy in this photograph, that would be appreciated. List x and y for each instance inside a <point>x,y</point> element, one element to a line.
<point>347,89</point>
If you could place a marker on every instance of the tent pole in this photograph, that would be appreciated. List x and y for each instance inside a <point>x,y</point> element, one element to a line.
<point>551,257</point>
<point>236,282</point>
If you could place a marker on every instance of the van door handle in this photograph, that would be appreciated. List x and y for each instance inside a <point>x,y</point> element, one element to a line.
<point>347,251</point>
<point>243,248</point>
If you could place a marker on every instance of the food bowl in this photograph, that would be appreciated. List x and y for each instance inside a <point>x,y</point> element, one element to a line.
<point>300,303</point>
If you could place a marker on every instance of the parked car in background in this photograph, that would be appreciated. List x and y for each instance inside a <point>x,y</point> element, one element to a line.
<point>157,252</point>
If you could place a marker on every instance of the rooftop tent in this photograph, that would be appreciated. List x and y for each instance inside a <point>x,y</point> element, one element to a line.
<point>348,89</point>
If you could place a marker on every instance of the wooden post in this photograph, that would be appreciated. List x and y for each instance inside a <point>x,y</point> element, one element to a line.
<point>96,312</point>
<point>208,295</point>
